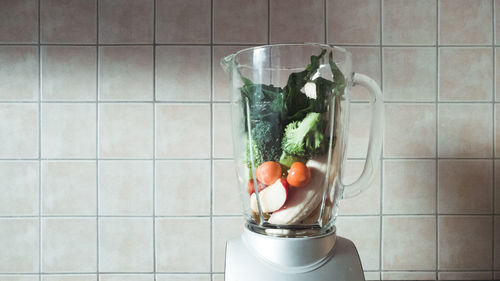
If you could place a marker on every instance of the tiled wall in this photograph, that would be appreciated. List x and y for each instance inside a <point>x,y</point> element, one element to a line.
<point>115,141</point>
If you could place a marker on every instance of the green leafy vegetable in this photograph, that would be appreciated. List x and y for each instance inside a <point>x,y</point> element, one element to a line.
<point>306,138</point>
<point>287,160</point>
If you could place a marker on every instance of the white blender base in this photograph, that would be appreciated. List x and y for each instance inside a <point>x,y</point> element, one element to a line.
<point>243,263</point>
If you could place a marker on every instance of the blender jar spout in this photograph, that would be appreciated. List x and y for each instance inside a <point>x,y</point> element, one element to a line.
<point>227,62</point>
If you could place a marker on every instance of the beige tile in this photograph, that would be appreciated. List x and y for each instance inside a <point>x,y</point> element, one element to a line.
<point>69,245</point>
<point>465,187</point>
<point>465,243</point>
<point>126,277</point>
<point>232,24</point>
<point>465,275</point>
<point>408,276</point>
<point>365,233</point>
<point>368,202</point>
<point>68,21</point>
<point>222,137</point>
<point>69,187</point>
<point>19,245</point>
<point>126,188</point>
<point>459,128</point>
<point>372,275</point>
<point>496,242</point>
<point>183,22</point>
<point>409,22</point>
<point>18,21</point>
<point>126,73</point>
<point>359,130</point>
<point>69,73</point>
<point>185,277</point>
<point>68,130</point>
<point>222,86</point>
<point>126,245</point>
<point>174,249</point>
<point>308,19</point>
<point>224,228</point>
<point>409,243</point>
<point>19,277</point>
<point>18,72</point>
<point>70,277</point>
<point>218,277</point>
<point>18,130</point>
<point>183,73</point>
<point>365,60</point>
<point>410,130</point>
<point>182,131</point>
<point>227,193</point>
<point>465,22</point>
<point>353,22</point>
<point>497,187</point>
<point>126,21</point>
<point>19,188</point>
<point>410,74</point>
<point>478,74</point>
<point>125,130</point>
<point>409,187</point>
<point>183,188</point>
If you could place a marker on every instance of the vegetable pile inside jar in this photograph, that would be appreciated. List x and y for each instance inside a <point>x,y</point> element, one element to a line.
<point>287,143</point>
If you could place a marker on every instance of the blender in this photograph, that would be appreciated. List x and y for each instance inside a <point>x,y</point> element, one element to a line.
<point>290,119</point>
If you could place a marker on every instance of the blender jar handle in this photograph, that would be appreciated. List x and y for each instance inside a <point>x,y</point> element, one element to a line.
<point>375,141</point>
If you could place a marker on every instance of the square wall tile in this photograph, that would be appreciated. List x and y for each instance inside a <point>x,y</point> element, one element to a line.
<point>19,277</point>
<point>465,275</point>
<point>126,244</point>
<point>408,275</point>
<point>471,83</point>
<point>409,22</point>
<point>224,228</point>
<point>359,130</point>
<point>232,24</point>
<point>183,22</point>
<point>365,60</point>
<point>68,130</point>
<point>69,245</point>
<point>368,202</point>
<point>353,22</point>
<point>174,249</point>
<point>183,188</point>
<point>19,245</point>
<point>19,188</point>
<point>126,73</point>
<point>68,21</point>
<point>308,18</point>
<point>18,130</point>
<point>465,242</point>
<point>459,128</point>
<point>497,187</point>
<point>365,233</point>
<point>70,277</point>
<point>126,188</point>
<point>497,72</point>
<point>125,130</point>
<point>69,188</point>
<point>69,73</point>
<point>183,131</point>
<point>18,72</point>
<point>126,277</point>
<point>18,21</point>
<point>222,85</point>
<point>497,20</point>
<point>497,130</point>
<point>409,187</point>
<point>465,187</point>
<point>183,73</point>
<point>218,277</point>
<point>410,130</point>
<point>409,243</point>
<point>410,74</point>
<point>185,277</point>
<point>474,19</point>
<point>226,199</point>
<point>496,242</point>
<point>222,137</point>
<point>126,21</point>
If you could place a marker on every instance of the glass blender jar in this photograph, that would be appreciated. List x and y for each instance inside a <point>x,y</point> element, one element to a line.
<point>290,119</point>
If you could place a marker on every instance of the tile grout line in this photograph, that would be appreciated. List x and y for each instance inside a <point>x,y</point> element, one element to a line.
<point>39,146</point>
<point>436,184</point>
<point>97,139</point>
<point>154,140</point>
<point>325,15</point>
<point>211,136</point>
<point>381,196</point>
<point>493,27</point>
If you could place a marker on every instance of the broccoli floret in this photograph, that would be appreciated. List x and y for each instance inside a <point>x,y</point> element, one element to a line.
<point>305,138</point>
<point>256,153</point>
